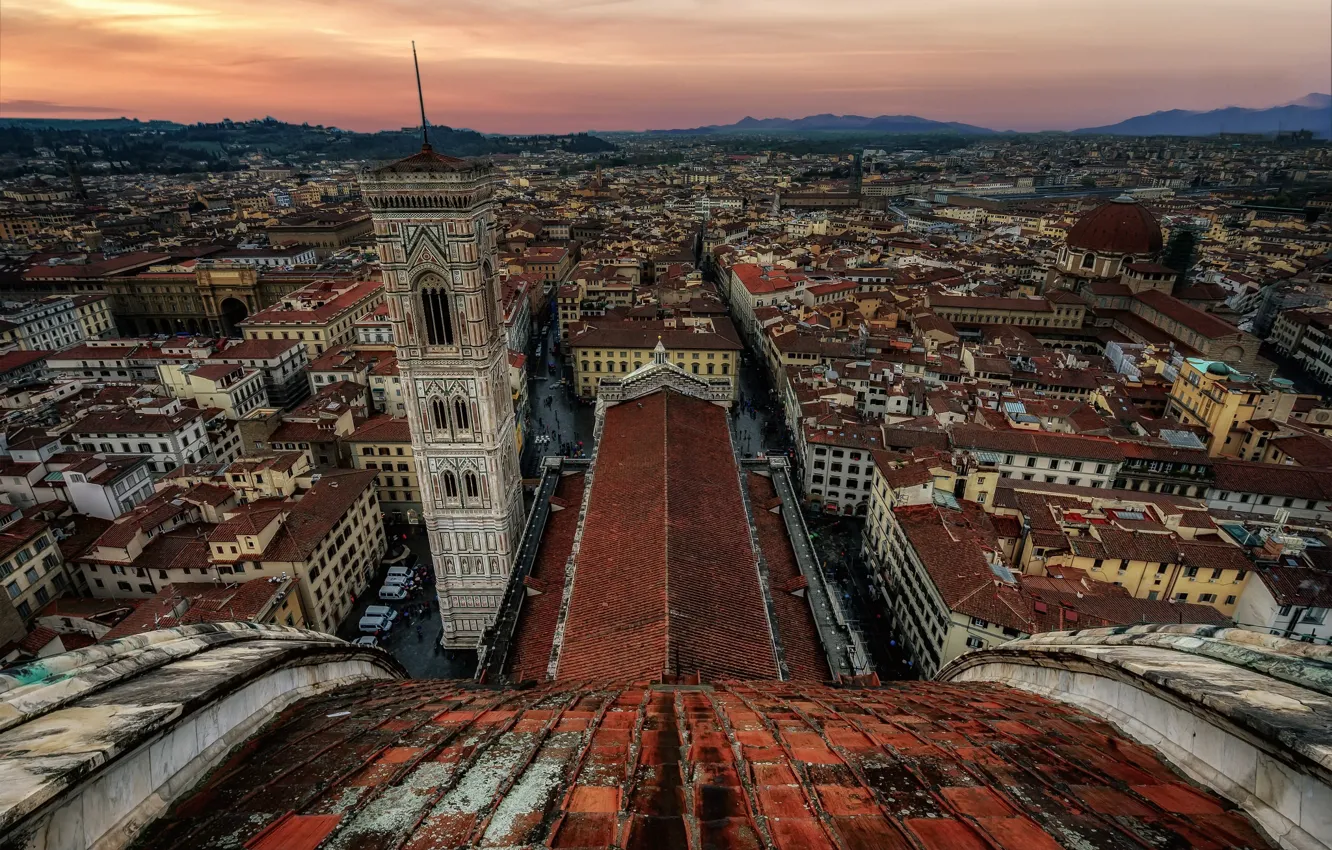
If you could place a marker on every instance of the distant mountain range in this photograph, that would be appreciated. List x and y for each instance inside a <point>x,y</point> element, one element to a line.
<point>905,124</point>
<point>1311,112</point>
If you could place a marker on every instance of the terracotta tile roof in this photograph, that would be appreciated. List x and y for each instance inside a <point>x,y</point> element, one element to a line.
<point>665,577</point>
<point>536,627</point>
<point>86,532</point>
<point>1299,585</point>
<point>441,764</point>
<point>318,511</point>
<point>20,533</point>
<point>1272,479</point>
<point>317,303</point>
<point>1206,324</point>
<point>38,638</point>
<point>256,349</point>
<point>382,429</point>
<point>136,422</point>
<point>795,622</point>
<point>1035,443</point>
<point>634,334</point>
<point>952,546</point>
<point>11,360</point>
<point>185,603</point>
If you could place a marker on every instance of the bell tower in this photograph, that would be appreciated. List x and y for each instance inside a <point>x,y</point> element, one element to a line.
<point>434,223</point>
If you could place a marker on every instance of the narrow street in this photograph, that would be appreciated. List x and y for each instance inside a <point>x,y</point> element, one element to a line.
<point>556,421</point>
<point>756,421</point>
<point>837,541</point>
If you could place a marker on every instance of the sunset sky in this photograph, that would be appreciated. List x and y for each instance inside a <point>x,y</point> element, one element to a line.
<point>524,66</point>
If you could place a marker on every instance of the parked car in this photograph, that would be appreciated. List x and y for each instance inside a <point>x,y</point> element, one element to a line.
<point>367,640</point>
<point>382,611</point>
<point>401,571</point>
<point>398,580</point>
<point>373,623</point>
<point>392,593</point>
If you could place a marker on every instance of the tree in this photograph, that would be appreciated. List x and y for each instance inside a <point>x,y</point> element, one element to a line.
<point>1179,253</point>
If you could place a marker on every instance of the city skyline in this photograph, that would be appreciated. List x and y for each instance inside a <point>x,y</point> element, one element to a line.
<point>523,67</point>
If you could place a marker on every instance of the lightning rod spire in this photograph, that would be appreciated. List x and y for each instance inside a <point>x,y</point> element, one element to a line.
<point>425,133</point>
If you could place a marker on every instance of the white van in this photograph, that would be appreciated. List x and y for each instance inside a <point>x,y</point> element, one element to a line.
<point>371,623</point>
<point>392,593</point>
<point>396,580</point>
<point>377,618</point>
<point>404,572</point>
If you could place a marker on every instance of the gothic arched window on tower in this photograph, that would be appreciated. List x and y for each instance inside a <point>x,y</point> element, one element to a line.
<point>435,310</point>
<point>448,485</point>
<point>461,419</point>
<point>1088,260</point>
<point>471,486</point>
<point>439,415</point>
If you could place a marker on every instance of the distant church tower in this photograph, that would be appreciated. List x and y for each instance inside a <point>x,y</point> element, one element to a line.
<point>435,226</point>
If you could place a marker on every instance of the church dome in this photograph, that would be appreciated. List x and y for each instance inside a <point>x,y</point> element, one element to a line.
<point>1122,226</point>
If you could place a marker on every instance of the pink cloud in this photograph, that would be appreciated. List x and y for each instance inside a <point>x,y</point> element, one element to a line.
<point>563,65</point>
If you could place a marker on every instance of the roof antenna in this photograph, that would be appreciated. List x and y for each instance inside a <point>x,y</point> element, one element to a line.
<point>425,133</point>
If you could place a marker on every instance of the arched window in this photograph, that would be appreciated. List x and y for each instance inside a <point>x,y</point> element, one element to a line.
<point>435,310</point>
<point>695,365</point>
<point>449,485</point>
<point>624,367</point>
<point>461,419</point>
<point>586,366</point>
<point>726,368</point>
<point>1088,260</point>
<point>471,486</point>
<point>711,369</point>
<point>597,364</point>
<point>439,414</point>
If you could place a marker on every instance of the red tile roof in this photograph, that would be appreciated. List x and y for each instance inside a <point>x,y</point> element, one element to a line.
<point>635,334</point>
<point>1206,324</point>
<point>187,603</point>
<point>435,763</point>
<point>665,577</point>
<point>382,429</point>
<point>541,609</point>
<point>12,360</point>
<point>795,622</point>
<point>1117,227</point>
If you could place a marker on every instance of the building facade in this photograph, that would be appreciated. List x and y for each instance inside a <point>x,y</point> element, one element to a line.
<point>434,220</point>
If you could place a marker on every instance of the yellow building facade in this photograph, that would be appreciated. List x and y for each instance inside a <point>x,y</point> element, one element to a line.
<point>1221,399</point>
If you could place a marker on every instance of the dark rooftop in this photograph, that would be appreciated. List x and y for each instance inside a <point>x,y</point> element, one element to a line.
<point>437,764</point>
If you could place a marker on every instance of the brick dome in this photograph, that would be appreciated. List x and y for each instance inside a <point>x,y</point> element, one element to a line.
<point>1122,226</point>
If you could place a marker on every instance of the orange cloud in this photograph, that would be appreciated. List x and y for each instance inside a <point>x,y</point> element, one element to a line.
<point>563,65</point>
